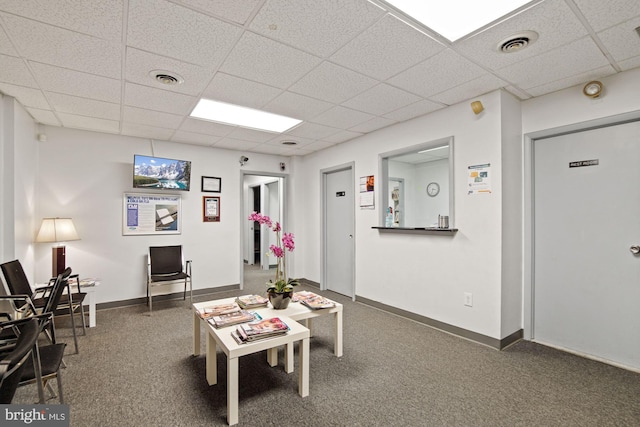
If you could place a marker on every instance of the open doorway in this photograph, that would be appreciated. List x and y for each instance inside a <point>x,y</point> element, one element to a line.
<point>264,194</point>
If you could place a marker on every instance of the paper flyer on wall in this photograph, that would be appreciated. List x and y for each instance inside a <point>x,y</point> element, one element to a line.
<point>151,214</point>
<point>479,179</point>
<point>366,192</point>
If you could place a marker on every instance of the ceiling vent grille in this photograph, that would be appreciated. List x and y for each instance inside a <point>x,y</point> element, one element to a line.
<point>166,77</point>
<point>517,42</point>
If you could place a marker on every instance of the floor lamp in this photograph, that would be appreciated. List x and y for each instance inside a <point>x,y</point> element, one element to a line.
<point>57,230</point>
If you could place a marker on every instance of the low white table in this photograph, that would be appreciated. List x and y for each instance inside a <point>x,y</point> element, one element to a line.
<point>233,350</point>
<point>295,311</point>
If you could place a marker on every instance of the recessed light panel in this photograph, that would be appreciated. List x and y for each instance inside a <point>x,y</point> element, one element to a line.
<point>454,19</point>
<point>237,115</point>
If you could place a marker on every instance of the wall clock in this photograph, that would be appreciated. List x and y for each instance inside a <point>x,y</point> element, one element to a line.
<point>433,189</point>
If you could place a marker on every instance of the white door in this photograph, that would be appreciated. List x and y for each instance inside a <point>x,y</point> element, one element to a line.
<point>339,216</point>
<point>586,219</point>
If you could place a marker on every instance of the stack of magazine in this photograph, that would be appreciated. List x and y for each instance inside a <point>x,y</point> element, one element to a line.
<point>251,301</point>
<point>228,319</point>
<point>261,329</point>
<point>217,310</point>
<point>313,301</point>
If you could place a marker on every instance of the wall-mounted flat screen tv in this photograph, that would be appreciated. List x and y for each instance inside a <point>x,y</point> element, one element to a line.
<point>160,173</point>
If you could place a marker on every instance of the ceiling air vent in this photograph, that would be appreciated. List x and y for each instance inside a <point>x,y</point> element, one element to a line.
<point>166,77</point>
<point>517,42</point>
<point>289,143</point>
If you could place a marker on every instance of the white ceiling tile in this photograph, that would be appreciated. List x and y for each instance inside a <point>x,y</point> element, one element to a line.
<point>420,108</point>
<point>6,47</point>
<point>517,92</point>
<point>139,64</point>
<point>630,64</point>
<point>61,80</point>
<point>84,106</point>
<point>144,131</point>
<point>89,123</point>
<point>250,135</point>
<point>46,117</point>
<point>573,59</point>
<point>100,18</point>
<point>319,27</point>
<point>554,22</point>
<point>296,152</point>
<point>577,79</point>
<point>312,130</point>
<point>333,83</point>
<point>172,30</point>
<point>271,149</point>
<point>234,10</point>
<point>151,118</point>
<point>381,99</point>
<point>158,100</point>
<point>26,96</point>
<point>239,91</point>
<point>622,41</point>
<point>342,136</point>
<point>341,117</point>
<point>235,144</point>
<point>64,48</point>
<point>479,86</point>
<point>194,138</point>
<point>266,61</point>
<point>206,127</point>
<point>371,125</point>
<point>301,142</point>
<point>14,71</point>
<point>320,145</point>
<point>427,77</point>
<point>386,48</point>
<point>605,14</point>
<point>297,106</point>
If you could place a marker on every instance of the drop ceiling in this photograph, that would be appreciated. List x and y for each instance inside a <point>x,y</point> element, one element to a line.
<point>344,67</point>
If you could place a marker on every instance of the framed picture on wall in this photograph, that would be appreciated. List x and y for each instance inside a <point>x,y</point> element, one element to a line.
<point>210,209</point>
<point>211,184</point>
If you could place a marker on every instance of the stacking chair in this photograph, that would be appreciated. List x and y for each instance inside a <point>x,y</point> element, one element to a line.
<point>70,303</point>
<point>166,265</point>
<point>14,362</point>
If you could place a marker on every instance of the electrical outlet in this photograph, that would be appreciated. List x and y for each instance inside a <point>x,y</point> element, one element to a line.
<point>468,299</point>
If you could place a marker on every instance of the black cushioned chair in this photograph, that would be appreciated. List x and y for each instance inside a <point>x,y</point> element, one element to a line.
<point>13,363</point>
<point>166,265</point>
<point>69,304</point>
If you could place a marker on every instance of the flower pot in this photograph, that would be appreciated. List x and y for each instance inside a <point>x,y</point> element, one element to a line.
<point>280,301</point>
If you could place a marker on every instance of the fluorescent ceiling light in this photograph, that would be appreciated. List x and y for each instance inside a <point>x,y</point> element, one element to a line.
<point>230,114</point>
<point>454,19</point>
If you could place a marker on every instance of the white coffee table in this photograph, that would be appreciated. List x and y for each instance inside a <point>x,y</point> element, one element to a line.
<point>233,350</point>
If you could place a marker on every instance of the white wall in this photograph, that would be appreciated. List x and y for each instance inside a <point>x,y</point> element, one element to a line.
<point>84,174</point>
<point>428,274</point>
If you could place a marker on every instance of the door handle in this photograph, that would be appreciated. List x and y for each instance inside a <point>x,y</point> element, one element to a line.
<point>635,249</point>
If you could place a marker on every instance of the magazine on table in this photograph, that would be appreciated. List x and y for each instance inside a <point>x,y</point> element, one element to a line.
<point>234,318</point>
<point>217,310</point>
<point>314,301</point>
<point>251,301</point>
<point>261,329</point>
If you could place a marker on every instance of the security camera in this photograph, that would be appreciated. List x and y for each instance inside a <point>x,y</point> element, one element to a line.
<point>243,160</point>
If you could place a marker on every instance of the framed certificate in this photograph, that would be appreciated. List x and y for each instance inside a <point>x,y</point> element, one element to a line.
<point>211,184</point>
<point>210,209</point>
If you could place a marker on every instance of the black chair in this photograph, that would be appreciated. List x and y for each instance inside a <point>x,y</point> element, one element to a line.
<point>69,304</point>
<point>166,265</point>
<point>13,363</point>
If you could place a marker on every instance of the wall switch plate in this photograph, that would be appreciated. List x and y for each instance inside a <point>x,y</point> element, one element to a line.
<point>468,299</point>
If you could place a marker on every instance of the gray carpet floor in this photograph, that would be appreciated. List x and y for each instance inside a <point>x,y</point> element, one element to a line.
<point>136,370</point>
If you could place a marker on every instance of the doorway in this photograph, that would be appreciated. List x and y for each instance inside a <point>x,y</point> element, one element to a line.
<point>338,224</point>
<point>585,277</point>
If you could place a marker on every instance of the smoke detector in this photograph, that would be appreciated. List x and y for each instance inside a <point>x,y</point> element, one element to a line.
<point>517,42</point>
<point>166,77</point>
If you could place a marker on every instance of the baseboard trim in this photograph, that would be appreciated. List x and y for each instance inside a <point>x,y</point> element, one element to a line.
<point>445,327</point>
<point>308,282</point>
<point>165,297</point>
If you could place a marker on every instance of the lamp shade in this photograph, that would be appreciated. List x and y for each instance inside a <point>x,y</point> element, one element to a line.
<point>57,230</point>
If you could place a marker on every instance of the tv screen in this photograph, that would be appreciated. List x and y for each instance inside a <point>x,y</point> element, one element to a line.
<point>164,174</point>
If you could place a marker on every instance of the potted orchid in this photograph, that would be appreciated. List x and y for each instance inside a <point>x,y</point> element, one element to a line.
<point>280,291</point>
